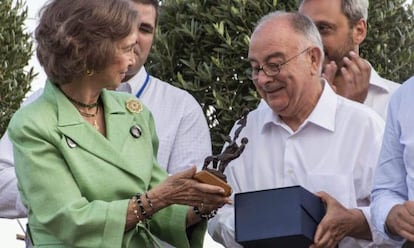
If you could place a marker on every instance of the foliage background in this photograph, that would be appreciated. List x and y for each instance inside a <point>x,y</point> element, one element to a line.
<point>389,45</point>
<point>15,53</point>
<point>201,46</point>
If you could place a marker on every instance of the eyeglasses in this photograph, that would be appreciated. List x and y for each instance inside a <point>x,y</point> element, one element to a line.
<point>270,69</point>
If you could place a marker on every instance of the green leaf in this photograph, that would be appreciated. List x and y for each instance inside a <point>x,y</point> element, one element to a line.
<point>202,45</point>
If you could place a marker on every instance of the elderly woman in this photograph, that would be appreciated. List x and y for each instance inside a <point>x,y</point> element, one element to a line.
<point>85,156</point>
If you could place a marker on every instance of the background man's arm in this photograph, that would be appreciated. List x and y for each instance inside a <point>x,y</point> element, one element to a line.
<point>10,203</point>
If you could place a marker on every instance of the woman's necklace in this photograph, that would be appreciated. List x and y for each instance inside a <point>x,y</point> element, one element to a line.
<point>88,106</point>
<point>94,116</point>
<point>83,105</point>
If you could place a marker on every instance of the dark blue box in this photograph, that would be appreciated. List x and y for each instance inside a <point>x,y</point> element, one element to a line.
<point>282,217</point>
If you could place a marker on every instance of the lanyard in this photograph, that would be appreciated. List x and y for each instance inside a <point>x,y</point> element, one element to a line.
<point>139,93</point>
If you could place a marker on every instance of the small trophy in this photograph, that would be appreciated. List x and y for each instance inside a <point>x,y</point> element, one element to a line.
<point>215,175</point>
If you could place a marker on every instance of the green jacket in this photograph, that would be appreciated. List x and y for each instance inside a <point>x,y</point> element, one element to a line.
<point>76,183</point>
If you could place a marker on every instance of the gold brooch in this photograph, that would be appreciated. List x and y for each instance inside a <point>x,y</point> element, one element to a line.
<point>134,106</point>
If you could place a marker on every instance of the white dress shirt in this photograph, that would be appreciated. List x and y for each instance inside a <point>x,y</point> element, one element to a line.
<point>179,120</point>
<point>335,150</point>
<point>379,93</point>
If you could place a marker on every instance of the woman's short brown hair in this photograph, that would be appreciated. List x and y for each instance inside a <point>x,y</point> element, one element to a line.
<point>74,36</point>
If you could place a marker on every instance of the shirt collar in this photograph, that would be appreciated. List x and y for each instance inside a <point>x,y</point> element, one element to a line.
<point>322,115</point>
<point>135,83</point>
<point>324,112</point>
<point>376,81</point>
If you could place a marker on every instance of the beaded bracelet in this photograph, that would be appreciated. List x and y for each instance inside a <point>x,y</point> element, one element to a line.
<point>134,206</point>
<point>140,205</point>
<point>149,201</point>
<point>204,216</point>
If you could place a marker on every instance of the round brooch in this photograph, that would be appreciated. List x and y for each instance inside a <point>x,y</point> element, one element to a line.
<point>134,106</point>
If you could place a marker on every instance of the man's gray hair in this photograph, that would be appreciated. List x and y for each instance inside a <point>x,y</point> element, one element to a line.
<point>354,10</point>
<point>300,23</point>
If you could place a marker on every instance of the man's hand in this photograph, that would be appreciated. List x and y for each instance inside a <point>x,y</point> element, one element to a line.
<point>400,220</point>
<point>352,81</point>
<point>329,73</point>
<point>339,222</point>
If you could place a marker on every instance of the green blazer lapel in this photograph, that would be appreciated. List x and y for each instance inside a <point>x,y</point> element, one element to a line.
<point>118,120</point>
<point>124,112</point>
<point>78,132</point>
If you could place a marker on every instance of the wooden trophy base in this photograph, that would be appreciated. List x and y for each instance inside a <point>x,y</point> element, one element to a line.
<point>205,176</point>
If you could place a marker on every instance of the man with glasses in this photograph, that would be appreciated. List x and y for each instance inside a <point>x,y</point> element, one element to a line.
<point>301,136</point>
<point>343,27</point>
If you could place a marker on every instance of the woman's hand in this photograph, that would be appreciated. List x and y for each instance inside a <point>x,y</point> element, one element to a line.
<point>182,189</point>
